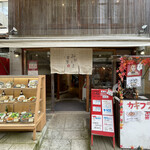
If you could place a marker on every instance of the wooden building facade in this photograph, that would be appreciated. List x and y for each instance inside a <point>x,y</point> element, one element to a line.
<point>78,17</point>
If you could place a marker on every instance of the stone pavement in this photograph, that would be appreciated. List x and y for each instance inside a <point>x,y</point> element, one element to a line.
<point>67,131</point>
<point>21,140</point>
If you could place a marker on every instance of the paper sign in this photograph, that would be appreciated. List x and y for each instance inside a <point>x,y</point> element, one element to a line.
<point>107,107</point>
<point>133,82</point>
<point>96,102</point>
<point>96,108</point>
<point>108,124</point>
<point>132,116</point>
<point>97,122</point>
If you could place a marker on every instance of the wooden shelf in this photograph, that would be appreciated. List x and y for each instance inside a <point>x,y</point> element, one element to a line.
<point>35,107</point>
<point>18,88</point>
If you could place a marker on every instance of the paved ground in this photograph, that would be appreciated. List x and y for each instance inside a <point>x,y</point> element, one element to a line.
<point>20,140</point>
<point>70,131</point>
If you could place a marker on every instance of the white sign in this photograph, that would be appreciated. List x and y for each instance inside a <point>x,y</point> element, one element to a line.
<point>96,102</point>
<point>97,122</point>
<point>107,107</point>
<point>108,125</point>
<point>33,73</point>
<point>133,82</point>
<point>98,109</point>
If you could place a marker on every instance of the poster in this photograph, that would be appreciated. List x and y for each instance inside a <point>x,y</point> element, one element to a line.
<point>96,102</point>
<point>33,67</point>
<point>132,116</point>
<point>133,82</point>
<point>95,108</point>
<point>134,70</point>
<point>107,107</point>
<point>97,122</point>
<point>108,125</point>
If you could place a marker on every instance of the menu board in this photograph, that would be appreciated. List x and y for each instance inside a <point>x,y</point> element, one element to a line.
<point>102,119</point>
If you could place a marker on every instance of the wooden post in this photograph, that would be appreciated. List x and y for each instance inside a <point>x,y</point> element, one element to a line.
<point>87,92</point>
<point>58,86</point>
<point>52,92</point>
<point>80,87</point>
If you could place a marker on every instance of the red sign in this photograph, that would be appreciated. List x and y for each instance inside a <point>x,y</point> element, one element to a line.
<point>102,118</point>
<point>134,70</point>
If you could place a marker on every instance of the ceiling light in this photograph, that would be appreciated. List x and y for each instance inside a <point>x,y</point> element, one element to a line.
<point>17,54</point>
<point>36,55</point>
<point>63,4</point>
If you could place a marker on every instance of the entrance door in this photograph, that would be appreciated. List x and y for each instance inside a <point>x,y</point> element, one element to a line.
<point>69,89</point>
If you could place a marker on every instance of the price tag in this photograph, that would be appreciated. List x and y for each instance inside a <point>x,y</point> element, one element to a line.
<point>16,119</point>
<point>30,119</point>
<point>25,100</point>
<point>5,101</point>
<point>1,120</point>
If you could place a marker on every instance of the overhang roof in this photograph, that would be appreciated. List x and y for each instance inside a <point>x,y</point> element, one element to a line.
<point>72,41</point>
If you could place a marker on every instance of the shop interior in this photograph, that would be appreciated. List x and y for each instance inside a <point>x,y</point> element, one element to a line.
<point>70,90</point>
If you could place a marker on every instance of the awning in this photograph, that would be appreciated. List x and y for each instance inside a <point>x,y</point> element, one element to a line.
<point>54,42</point>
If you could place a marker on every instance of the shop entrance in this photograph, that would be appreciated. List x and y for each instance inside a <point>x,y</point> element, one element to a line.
<point>69,93</point>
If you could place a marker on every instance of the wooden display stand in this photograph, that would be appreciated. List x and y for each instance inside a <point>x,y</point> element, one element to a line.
<point>34,107</point>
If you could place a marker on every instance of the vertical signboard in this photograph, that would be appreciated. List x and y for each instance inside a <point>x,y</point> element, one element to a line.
<point>102,117</point>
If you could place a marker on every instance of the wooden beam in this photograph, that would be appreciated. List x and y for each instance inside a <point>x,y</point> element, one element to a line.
<point>58,86</point>
<point>52,93</point>
<point>87,92</point>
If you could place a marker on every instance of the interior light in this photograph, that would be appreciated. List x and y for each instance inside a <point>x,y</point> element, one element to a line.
<point>36,55</point>
<point>117,1</point>
<point>142,52</point>
<point>63,4</point>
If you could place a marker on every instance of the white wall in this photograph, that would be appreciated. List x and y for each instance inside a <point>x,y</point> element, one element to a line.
<point>15,62</point>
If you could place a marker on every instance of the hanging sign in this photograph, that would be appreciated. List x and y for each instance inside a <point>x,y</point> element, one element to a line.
<point>32,67</point>
<point>102,118</point>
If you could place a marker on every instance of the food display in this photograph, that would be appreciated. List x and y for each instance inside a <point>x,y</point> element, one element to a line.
<point>27,117</point>
<point>33,83</point>
<point>8,85</point>
<point>12,117</point>
<point>32,99</point>
<point>4,99</point>
<point>19,86</point>
<point>2,116</point>
<point>1,84</point>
